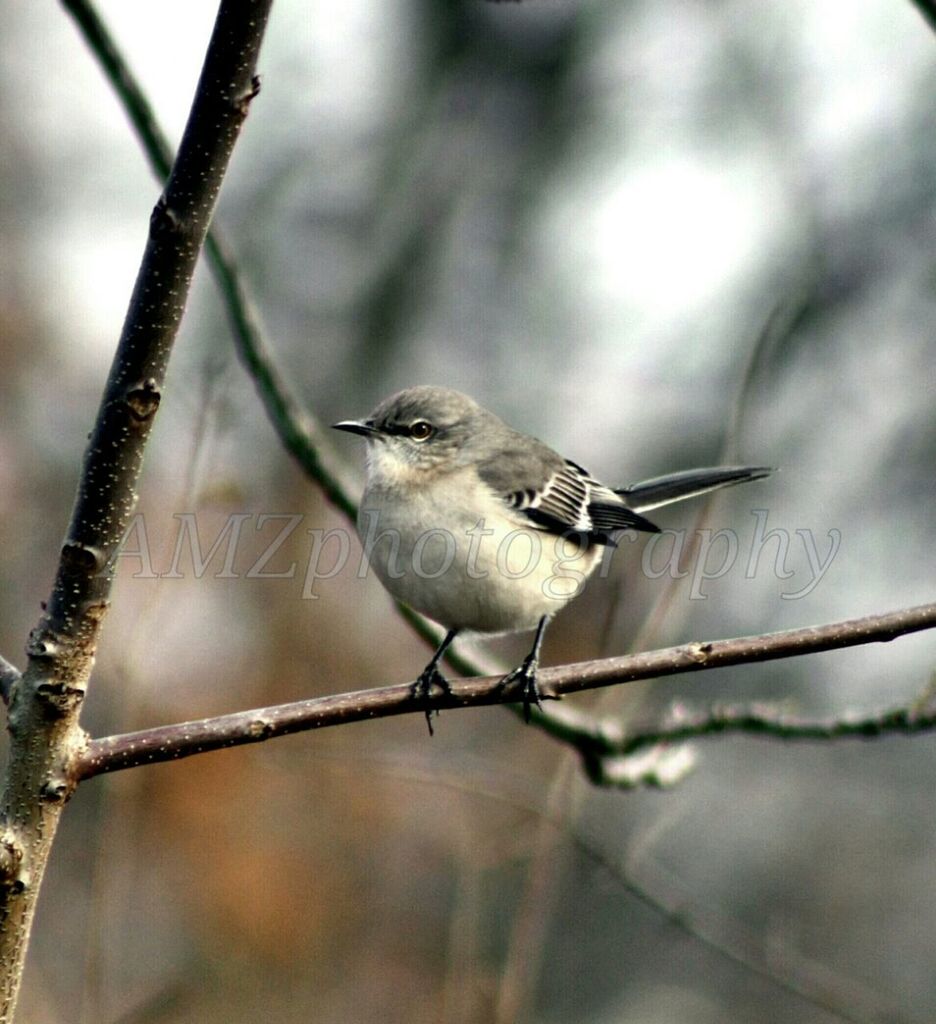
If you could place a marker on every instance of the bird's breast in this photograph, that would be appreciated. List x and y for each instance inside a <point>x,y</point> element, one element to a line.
<point>455,552</point>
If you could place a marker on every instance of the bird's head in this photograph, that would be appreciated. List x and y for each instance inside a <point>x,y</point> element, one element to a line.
<point>422,430</point>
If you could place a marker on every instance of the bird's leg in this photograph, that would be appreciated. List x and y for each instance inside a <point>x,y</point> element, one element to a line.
<point>431,676</point>
<point>527,672</point>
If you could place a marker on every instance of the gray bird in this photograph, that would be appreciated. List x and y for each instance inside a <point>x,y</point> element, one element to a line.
<point>488,530</point>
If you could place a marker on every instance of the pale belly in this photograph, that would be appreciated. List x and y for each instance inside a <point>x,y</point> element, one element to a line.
<point>483,572</point>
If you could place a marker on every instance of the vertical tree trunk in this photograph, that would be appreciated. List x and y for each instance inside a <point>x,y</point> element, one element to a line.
<point>44,704</point>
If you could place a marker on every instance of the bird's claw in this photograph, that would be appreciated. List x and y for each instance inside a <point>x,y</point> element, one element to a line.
<point>530,690</point>
<point>422,691</point>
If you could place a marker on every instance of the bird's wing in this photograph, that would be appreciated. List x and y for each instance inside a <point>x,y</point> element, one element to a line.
<point>557,495</point>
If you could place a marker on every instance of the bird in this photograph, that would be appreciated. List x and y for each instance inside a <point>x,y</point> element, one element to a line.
<point>487,530</point>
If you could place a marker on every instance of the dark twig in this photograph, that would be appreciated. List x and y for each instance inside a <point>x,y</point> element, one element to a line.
<point>170,742</point>
<point>135,103</point>
<point>44,707</point>
<point>653,756</point>
<point>766,721</point>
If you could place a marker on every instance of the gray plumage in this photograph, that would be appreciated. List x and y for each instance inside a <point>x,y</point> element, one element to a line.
<point>441,467</point>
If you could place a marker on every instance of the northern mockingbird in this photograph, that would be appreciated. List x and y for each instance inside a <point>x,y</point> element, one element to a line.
<point>485,529</point>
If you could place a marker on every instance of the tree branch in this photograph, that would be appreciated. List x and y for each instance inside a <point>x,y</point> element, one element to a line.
<point>765,720</point>
<point>655,755</point>
<point>134,100</point>
<point>44,706</point>
<point>171,742</point>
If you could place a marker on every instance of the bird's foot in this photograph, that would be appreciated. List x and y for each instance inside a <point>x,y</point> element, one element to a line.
<point>422,690</point>
<point>526,675</point>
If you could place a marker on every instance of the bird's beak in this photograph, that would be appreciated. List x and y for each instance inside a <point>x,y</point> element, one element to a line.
<point>357,427</point>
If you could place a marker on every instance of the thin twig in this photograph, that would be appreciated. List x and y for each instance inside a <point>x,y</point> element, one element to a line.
<point>134,100</point>
<point>766,721</point>
<point>170,742</point>
<point>616,758</point>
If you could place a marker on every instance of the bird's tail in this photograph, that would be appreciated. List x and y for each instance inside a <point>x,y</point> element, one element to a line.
<point>663,490</point>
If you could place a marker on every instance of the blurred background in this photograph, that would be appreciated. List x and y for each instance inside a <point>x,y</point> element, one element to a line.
<point>582,213</point>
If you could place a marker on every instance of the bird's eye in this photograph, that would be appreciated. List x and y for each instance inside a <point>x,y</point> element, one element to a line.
<point>421,430</point>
